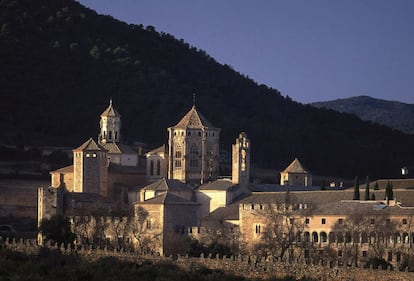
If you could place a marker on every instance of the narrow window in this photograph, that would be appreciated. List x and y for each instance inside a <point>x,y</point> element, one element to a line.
<point>110,135</point>
<point>258,228</point>
<point>372,221</point>
<point>306,221</point>
<point>152,168</point>
<point>340,221</point>
<point>324,221</point>
<point>158,167</point>
<point>404,221</point>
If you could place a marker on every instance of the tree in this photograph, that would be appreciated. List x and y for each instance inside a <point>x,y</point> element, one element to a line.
<point>285,222</point>
<point>376,186</point>
<point>146,233</point>
<point>57,229</point>
<point>389,194</point>
<point>367,190</point>
<point>356,189</point>
<point>364,226</point>
<point>372,196</point>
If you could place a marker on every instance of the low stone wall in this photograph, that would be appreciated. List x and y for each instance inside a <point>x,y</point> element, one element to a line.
<point>252,267</point>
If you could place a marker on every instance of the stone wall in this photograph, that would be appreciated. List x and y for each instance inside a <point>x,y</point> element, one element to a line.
<point>251,267</point>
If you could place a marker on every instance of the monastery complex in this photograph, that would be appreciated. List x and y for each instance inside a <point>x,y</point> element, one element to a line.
<point>177,196</point>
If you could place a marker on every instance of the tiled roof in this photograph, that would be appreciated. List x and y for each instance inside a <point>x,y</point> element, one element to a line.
<point>117,148</point>
<point>89,145</point>
<point>194,120</point>
<point>64,170</point>
<point>160,149</point>
<point>168,198</point>
<point>361,207</point>
<point>224,185</point>
<point>110,111</point>
<point>327,200</point>
<point>295,167</point>
<point>167,184</point>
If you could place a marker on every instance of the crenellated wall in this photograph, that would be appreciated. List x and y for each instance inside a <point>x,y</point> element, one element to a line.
<point>246,266</point>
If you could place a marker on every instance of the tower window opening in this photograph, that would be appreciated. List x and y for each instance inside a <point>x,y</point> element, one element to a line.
<point>158,167</point>
<point>110,135</point>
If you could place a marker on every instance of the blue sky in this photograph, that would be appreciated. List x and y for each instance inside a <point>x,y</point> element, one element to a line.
<point>310,50</point>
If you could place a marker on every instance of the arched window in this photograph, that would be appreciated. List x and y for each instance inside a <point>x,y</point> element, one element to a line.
<point>116,135</point>
<point>152,167</point>
<point>324,237</point>
<point>406,238</point>
<point>340,237</point>
<point>298,237</point>
<point>177,157</point>
<point>158,167</point>
<point>110,135</point>
<point>306,237</point>
<point>194,156</point>
<point>315,237</point>
<point>348,237</point>
<point>364,238</point>
<point>332,237</point>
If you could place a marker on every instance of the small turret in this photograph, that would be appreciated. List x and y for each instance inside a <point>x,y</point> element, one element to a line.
<point>110,125</point>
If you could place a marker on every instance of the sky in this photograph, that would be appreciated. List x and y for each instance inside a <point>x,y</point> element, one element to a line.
<point>309,50</point>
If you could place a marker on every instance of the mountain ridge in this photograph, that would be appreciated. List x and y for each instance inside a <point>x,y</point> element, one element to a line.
<point>64,61</point>
<point>394,114</point>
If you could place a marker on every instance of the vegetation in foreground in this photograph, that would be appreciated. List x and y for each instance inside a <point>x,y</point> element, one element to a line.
<point>52,265</point>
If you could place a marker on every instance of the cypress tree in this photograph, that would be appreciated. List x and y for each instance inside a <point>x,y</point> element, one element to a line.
<point>367,190</point>
<point>356,189</point>
<point>323,186</point>
<point>389,192</point>
<point>373,196</point>
<point>376,186</point>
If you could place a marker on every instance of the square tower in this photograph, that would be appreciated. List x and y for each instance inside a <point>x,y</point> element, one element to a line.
<point>193,148</point>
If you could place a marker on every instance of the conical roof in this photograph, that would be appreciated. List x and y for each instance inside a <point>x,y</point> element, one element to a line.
<point>89,145</point>
<point>110,111</point>
<point>295,167</point>
<point>193,120</point>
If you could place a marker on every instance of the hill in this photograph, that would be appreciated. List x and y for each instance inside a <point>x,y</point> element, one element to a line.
<point>61,62</point>
<point>393,114</point>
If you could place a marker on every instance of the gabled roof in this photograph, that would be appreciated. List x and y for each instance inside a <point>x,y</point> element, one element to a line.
<point>117,148</point>
<point>89,145</point>
<point>160,149</point>
<point>168,185</point>
<point>64,170</point>
<point>295,167</point>
<point>168,198</point>
<point>219,185</point>
<point>110,111</point>
<point>194,120</point>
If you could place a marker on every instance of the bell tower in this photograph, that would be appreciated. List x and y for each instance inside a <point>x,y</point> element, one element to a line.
<point>241,160</point>
<point>110,125</point>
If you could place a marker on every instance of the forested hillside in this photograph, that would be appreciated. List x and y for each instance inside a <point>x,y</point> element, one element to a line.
<point>61,62</point>
<point>393,114</point>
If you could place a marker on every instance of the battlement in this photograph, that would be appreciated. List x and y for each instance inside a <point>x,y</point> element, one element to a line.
<point>247,266</point>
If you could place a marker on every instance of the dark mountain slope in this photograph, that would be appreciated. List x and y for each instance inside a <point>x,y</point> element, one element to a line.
<point>60,63</point>
<point>393,114</point>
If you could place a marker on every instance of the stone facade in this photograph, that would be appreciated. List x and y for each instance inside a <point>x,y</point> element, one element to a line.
<point>241,160</point>
<point>295,174</point>
<point>193,149</point>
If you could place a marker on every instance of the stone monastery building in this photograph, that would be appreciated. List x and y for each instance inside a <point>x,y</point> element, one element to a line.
<point>176,194</point>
